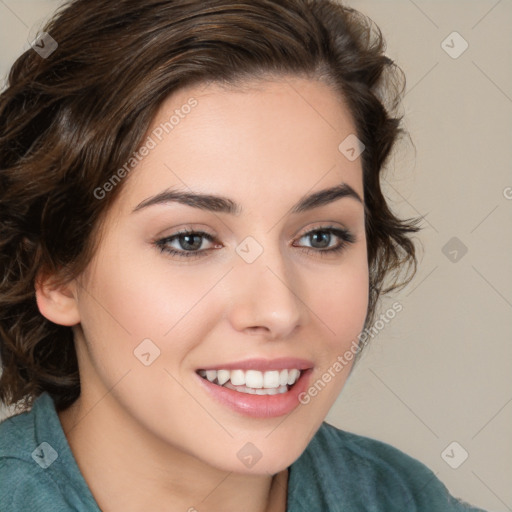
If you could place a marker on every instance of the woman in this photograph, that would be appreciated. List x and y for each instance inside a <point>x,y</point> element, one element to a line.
<point>192,233</point>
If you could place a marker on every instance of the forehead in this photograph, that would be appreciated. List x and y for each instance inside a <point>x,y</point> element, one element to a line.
<point>269,136</point>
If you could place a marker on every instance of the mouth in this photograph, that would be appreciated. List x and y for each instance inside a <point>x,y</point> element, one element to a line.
<point>254,382</point>
<point>259,388</point>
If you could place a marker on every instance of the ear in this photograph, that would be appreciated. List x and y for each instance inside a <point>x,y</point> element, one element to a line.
<point>56,302</point>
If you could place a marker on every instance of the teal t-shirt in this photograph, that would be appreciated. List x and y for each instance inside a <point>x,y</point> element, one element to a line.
<point>338,472</point>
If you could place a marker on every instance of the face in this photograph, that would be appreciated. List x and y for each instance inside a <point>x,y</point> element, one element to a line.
<point>268,277</point>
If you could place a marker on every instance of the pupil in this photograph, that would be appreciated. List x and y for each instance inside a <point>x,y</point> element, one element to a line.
<point>190,242</point>
<point>322,239</point>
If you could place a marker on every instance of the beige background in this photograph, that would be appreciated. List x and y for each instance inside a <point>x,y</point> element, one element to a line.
<point>441,371</point>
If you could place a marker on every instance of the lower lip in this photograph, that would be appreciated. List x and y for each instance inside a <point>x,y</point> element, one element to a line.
<point>259,406</point>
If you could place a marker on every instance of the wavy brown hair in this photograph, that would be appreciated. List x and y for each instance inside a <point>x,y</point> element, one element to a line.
<point>69,120</point>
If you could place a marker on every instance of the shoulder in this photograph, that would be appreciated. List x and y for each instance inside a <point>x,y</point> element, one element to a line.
<point>365,474</point>
<point>19,434</point>
<point>23,486</point>
<point>366,456</point>
<point>35,464</point>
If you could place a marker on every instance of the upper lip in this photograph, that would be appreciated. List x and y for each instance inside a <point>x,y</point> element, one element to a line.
<point>281,363</point>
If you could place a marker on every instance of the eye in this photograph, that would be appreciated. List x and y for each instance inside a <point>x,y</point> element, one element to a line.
<point>189,243</point>
<point>185,243</point>
<point>327,239</point>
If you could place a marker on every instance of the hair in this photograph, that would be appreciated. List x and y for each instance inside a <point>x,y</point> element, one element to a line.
<point>68,120</point>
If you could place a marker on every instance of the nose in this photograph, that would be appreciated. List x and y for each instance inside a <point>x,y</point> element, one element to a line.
<point>265,298</point>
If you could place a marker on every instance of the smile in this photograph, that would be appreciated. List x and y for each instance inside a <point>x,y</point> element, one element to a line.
<point>253,382</point>
<point>258,387</point>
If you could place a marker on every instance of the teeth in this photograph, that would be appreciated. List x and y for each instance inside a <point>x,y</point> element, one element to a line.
<point>252,391</point>
<point>223,376</point>
<point>293,376</point>
<point>255,382</point>
<point>237,377</point>
<point>253,379</point>
<point>271,379</point>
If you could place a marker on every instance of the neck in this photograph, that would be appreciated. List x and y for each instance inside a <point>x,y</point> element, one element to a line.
<point>127,469</point>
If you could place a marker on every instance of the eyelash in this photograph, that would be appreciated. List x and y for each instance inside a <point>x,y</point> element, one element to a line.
<point>344,235</point>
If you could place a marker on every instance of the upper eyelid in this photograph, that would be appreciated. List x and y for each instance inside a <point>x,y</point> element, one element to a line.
<point>325,228</point>
<point>201,232</point>
<point>326,225</point>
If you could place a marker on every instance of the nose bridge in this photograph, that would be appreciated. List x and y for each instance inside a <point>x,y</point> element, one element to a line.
<point>266,290</point>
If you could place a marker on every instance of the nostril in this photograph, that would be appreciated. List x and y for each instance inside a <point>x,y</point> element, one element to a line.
<point>257,329</point>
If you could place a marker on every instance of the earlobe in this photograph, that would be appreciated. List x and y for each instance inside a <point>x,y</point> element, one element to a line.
<point>56,302</point>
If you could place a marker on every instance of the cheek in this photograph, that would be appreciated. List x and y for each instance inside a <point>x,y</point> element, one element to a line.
<point>342,302</point>
<point>340,308</point>
<point>128,300</point>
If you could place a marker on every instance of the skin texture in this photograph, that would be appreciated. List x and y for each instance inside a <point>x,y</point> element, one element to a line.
<point>145,436</point>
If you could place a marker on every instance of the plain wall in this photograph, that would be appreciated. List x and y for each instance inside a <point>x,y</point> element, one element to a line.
<point>440,370</point>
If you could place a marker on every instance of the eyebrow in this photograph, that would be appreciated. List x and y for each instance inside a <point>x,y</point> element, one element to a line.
<point>222,204</point>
